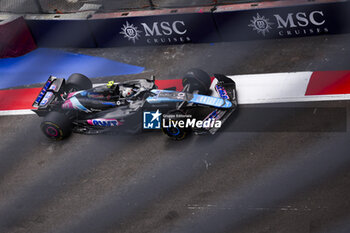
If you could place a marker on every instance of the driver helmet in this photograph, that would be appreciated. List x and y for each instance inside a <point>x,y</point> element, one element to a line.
<point>127,91</point>
<point>111,84</point>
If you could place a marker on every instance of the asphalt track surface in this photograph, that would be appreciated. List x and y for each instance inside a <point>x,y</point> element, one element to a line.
<point>273,179</point>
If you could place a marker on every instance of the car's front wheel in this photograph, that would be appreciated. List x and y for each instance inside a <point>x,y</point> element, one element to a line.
<point>175,133</point>
<point>173,130</point>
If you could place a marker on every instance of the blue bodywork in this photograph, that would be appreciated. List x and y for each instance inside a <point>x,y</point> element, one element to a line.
<point>162,96</point>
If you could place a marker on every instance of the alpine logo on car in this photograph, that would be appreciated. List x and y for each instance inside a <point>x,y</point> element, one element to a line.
<point>104,122</point>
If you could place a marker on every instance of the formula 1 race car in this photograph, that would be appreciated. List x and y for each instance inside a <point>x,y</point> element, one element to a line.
<point>76,106</point>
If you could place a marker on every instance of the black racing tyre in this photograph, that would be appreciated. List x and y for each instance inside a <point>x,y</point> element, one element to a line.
<point>56,126</point>
<point>176,133</point>
<point>198,80</point>
<point>79,82</point>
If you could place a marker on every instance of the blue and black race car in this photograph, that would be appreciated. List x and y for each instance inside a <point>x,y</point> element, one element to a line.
<point>74,105</point>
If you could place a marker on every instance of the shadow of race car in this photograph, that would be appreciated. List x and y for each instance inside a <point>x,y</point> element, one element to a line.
<point>74,105</point>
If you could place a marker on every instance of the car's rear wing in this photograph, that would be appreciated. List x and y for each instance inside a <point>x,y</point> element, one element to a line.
<point>52,86</point>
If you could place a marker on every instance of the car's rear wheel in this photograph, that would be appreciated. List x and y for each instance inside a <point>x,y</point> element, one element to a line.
<point>56,126</point>
<point>78,82</point>
<point>197,80</point>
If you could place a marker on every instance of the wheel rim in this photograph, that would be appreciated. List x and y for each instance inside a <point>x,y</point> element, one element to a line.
<point>51,131</point>
<point>175,131</point>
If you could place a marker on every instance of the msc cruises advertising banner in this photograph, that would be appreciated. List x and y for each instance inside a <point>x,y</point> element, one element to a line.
<point>155,30</point>
<point>284,22</point>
